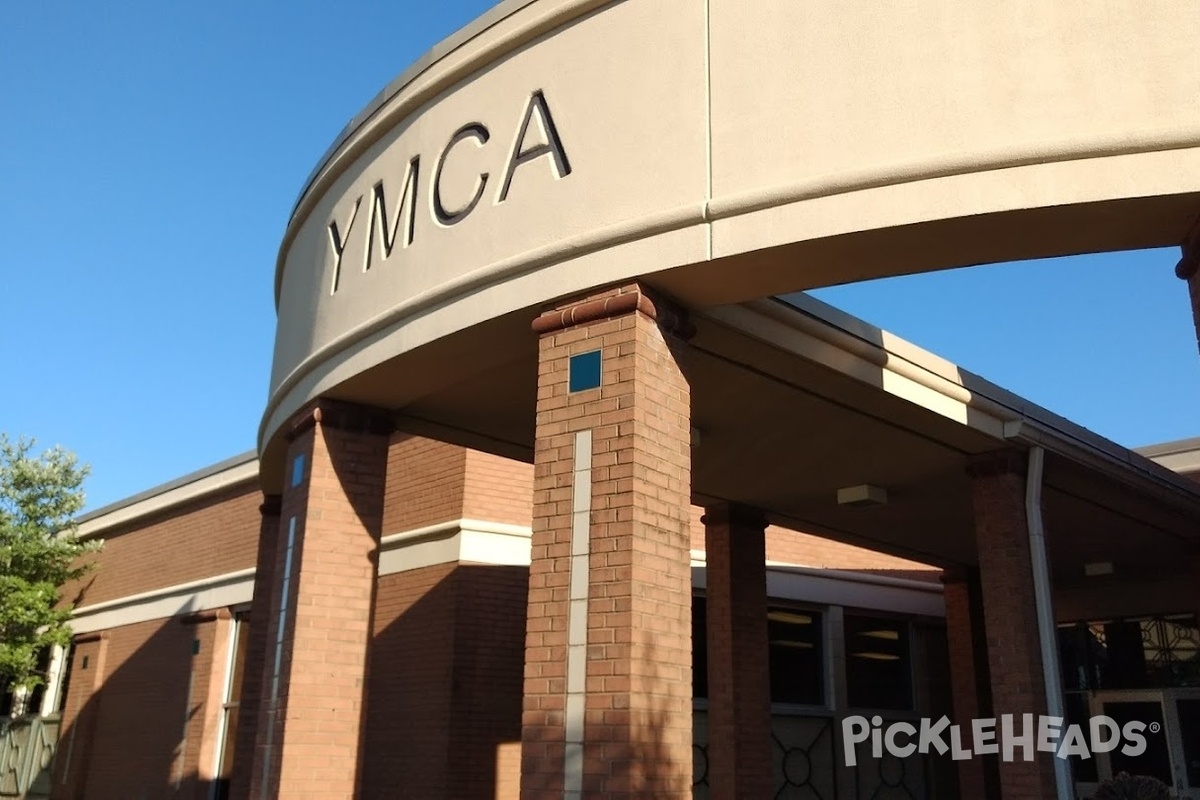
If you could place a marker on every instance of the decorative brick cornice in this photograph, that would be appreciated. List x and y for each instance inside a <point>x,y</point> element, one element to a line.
<point>271,506</point>
<point>339,414</point>
<point>670,317</point>
<point>997,462</point>
<point>735,514</point>
<point>94,636</point>
<point>1189,261</point>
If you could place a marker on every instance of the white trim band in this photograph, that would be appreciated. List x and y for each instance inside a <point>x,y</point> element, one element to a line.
<point>232,588</point>
<point>470,540</point>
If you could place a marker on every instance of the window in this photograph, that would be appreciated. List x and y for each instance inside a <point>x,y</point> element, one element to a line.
<point>699,647</point>
<point>1143,653</point>
<point>227,741</point>
<point>795,649</point>
<point>878,665</point>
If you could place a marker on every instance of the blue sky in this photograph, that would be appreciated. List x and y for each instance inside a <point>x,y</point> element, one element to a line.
<point>149,156</point>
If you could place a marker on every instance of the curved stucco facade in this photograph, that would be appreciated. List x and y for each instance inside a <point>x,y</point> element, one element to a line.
<point>724,150</point>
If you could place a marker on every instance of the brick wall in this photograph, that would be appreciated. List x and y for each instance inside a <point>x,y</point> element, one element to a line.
<point>131,742</point>
<point>1010,615</point>
<point>793,547</point>
<point>637,721</point>
<point>310,740</point>
<point>209,536</point>
<point>409,695</point>
<point>444,699</point>
<point>498,489</point>
<point>424,482</point>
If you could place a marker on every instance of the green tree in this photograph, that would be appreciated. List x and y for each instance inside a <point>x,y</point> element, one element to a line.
<point>39,498</point>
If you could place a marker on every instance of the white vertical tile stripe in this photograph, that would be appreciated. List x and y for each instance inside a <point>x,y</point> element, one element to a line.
<point>577,616</point>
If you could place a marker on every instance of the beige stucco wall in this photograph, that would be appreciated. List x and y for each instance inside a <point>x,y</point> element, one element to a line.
<point>801,143</point>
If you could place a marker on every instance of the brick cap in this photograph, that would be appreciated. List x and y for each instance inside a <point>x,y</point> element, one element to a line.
<point>735,514</point>
<point>200,617</point>
<point>670,317</point>
<point>339,414</point>
<point>95,636</point>
<point>997,462</point>
<point>1189,262</point>
<point>958,574</point>
<point>271,506</point>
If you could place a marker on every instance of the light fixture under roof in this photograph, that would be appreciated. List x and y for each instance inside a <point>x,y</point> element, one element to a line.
<point>790,617</point>
<point>883,633</point>
<point>862,495</point>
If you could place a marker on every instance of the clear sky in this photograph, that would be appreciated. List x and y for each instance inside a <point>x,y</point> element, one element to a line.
<point>150,153</point>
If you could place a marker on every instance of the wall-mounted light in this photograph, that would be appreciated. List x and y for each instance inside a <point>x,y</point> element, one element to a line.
<point>1098,568</point>
<point>862,495</point>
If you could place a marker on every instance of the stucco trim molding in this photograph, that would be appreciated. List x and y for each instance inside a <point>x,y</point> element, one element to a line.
<point>219,591</point>
<point>469,540</point>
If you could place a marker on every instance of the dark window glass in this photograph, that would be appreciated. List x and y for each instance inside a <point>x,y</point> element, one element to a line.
<point>1189,732</point>
<point>1078,713</point>
<point>1155,761</point>
<point>796,656</point>
<point>699,647</point>
<point>878,667</point>
<point>1148,653</point>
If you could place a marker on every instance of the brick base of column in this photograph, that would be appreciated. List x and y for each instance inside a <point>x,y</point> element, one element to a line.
<point>311,713</point>
<point>608,697</point>
<point>970,683</point>
<point>739,679</point>
<point>1010,611</point>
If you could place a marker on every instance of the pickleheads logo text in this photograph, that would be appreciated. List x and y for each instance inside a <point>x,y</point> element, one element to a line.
<point>902,739</point>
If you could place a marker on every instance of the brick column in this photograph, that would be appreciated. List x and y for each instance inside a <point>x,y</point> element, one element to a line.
<point>608,697</point>
<point>1010,612</point>
<point>739,681</point>
<point>322,594</point>
<point>254,677</point>
<point>970,683</point>
<point>1188,269</point>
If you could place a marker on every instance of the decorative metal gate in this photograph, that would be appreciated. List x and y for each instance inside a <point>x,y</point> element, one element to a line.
<point>26,751</point>
<point>803,757</point>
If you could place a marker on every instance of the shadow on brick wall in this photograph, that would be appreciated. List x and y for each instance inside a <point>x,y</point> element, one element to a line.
<point>631,754</point>
<point>137,735</point>
<point>446,678</point>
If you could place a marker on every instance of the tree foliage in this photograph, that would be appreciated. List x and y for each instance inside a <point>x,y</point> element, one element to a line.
<point>39,498</point>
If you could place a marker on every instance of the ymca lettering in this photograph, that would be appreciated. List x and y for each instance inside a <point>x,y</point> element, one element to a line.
<point>382,233</point>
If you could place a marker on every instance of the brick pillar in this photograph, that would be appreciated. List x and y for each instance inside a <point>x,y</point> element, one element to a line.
<point>322,596</point>
<point>254,677</point>
<point>608,696</point>
<point>1188,269</point>
<point>739,681</point>
<point>970,683</point>
<point>1010,612</point>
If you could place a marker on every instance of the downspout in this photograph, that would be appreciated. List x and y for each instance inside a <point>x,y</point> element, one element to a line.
<point>1047,629</point>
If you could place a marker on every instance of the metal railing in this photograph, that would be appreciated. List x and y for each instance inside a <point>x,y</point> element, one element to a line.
<point>26,752</point>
